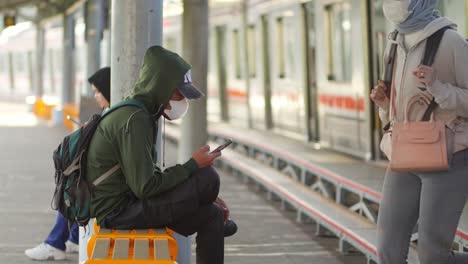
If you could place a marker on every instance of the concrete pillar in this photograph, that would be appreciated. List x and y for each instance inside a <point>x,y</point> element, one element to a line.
<point>94,32</point>
<point>109,29</point>
<point>68,84</point>
<point>135,26</point>
<point>221,61</point>
<point>194,125</point>
<point>40,50</point>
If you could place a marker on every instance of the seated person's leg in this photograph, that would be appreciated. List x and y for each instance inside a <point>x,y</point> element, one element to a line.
<point>53,247</point>
<point>74,234</point>
<point>73,240</point>
<point>200,189</point>
<point>59,233</point>
<point>207,184</point>
<point>208,223</point>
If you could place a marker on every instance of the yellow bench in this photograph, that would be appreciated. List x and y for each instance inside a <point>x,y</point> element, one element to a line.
<point>145,246</point>
<point>43,109</point>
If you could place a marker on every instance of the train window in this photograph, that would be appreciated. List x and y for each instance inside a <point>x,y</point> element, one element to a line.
<point>252,49</point>
<point>237,53</point>
<point>280,47</point>
<point>338,30</point>
<point>290,46</point>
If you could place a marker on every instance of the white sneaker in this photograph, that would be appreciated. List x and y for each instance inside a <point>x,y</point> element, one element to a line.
<point>71,247</point>
<point>45,252</point>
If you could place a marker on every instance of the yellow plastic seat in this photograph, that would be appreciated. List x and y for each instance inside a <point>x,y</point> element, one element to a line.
<point>138,246</point>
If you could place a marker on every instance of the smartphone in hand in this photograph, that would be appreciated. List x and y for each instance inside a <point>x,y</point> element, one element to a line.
<point>74,120</point>
<point>223,146</point>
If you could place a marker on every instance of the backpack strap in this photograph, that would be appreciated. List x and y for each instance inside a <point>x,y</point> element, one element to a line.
<point>389,70</point>
<point>432,46</point>
<point>106,175</point>
<point>388,74</point>
<point>127,102</point>
<point>132,102</point>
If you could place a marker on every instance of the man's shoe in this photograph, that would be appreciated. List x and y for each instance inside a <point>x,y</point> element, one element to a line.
<point>71,247</point>
<point>45,252</point>
<point>230,228</point>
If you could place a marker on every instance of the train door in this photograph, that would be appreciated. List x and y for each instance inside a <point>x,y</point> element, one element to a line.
<point>220,35</point>
<point>256,94</point>
<point>237,94</point>
<point>343,76</point>
<point>213,103</point>
<point>287,72</point>
<point>311,75</point>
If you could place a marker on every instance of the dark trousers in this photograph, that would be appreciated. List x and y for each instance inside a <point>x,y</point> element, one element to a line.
<point>187,209</point>
<point>60,233</point>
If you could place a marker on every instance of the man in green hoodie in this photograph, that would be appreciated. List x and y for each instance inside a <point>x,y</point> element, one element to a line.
<point>138,194</point>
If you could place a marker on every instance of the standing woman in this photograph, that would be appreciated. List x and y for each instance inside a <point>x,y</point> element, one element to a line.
<point>433,199</point>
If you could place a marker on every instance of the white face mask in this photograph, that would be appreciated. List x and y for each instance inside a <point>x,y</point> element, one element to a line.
<point>396,11</point>
<point>178,109</point>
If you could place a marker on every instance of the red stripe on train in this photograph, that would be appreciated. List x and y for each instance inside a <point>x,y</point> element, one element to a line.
<point>343,102</point>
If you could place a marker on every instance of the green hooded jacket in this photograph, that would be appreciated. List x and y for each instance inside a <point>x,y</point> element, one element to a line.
<point>127,137</point>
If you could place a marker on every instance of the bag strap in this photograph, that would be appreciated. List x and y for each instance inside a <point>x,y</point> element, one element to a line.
<point>106,175</point>
<point>132,102</point>
<point>392,111</point>
<point>388,74</point>
<point>432,46</point>
<point>390,71</point>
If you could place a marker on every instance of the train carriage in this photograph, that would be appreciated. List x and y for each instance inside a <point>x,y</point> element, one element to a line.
<point>300,68</point>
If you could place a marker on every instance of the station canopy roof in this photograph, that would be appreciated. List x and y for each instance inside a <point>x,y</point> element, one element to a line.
<point>34,10</point>
<point>6,5</point>
<point>46,8</point>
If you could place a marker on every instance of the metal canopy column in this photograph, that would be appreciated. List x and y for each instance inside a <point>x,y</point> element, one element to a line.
<point>68,84</point>
<point>40,50</point>
<point>94,30</point>
<point>194,125</point>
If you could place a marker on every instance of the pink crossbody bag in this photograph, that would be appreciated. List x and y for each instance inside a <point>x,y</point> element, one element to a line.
<point>419,146</point>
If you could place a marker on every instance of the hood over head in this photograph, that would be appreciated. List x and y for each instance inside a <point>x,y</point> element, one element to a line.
<point>430,29</point>
<point>410,15</point>
<point>161,73</point>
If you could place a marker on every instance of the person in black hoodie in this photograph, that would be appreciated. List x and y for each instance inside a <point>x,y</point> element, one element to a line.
<point>63,239</point>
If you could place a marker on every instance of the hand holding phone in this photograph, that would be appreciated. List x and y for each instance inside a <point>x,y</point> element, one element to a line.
<point>223,146</point>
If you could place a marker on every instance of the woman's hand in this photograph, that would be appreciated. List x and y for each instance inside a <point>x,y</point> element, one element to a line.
<point>426,75</point>
<point>379,95</point>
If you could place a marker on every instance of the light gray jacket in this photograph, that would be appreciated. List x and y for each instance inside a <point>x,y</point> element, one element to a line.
<point>450,88</point>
